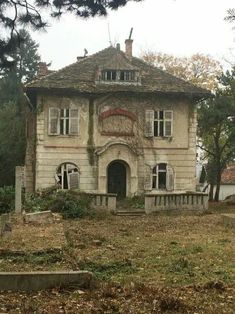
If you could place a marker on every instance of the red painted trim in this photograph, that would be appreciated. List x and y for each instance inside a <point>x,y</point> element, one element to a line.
<point>117,112</point>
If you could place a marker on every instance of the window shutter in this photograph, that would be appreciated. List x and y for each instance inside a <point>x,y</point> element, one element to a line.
<point>73,180</point>
<point>149,118</point>
<point>169,178</point>
<point>53,126</point>
<point>168,121</point>
<point>148,179</point>
<point>73,121</point>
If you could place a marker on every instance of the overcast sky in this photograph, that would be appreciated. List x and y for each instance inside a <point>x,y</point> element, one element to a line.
<point>179,27</point>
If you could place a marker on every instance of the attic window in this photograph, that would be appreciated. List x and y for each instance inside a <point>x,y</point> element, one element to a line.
<point>127,76</point>
<point>109,75</point>
<point>119,76</point>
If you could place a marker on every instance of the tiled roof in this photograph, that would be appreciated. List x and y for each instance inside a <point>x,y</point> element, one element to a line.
<point>228,175</point>
<point>81,76</point>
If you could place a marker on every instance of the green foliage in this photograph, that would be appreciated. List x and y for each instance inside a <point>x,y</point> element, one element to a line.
<point>216,129</point>
<point>12,139</point>
<point>136,202</point>
<point>7,199</point>
<point>70,204</point>
<point>90,141</point>
<point>107,270</point>
<point>12,108</point>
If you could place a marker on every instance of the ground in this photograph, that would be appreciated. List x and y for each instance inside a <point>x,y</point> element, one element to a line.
<point>152,264</point>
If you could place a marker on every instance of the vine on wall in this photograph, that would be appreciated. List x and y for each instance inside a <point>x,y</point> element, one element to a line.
<point>90,141</point>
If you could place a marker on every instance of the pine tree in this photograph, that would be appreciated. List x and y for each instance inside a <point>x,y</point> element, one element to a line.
<point>12,105</point>
<point>216,126</point>
<point>28,13</point>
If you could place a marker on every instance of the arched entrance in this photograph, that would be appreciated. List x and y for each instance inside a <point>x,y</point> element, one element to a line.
<point>117,178</point>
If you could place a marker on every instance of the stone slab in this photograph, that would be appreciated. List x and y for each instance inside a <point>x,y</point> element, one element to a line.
<point>34,281</point>
<point>39,217</point>
<point>228,219</point>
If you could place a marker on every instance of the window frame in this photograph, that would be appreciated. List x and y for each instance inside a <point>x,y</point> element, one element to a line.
<point>68,168</point>
<point>155,176</point>
<point>64,119</point>
<point>160,120</point>
<point>121,76</point>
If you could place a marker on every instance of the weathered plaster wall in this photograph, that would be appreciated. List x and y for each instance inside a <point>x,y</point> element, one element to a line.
<point>139,152</point>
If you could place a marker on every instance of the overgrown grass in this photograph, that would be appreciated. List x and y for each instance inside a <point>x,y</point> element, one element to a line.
<point>164,250</point>
<point>7,199</point>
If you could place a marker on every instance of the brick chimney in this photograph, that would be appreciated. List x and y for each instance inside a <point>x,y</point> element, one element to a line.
<point>128,43</point>
<point>42,69</point>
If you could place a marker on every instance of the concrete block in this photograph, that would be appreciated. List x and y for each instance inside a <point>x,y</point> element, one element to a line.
<point>229,220</point>
<point>39,217</point>
<point>34,281</point>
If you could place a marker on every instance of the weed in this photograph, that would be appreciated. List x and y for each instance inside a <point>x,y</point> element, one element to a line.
<point>171,304</point>
<point>106,271</point>
<point>7,198</point>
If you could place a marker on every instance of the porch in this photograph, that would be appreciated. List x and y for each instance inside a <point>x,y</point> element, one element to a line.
<point>154,202</point>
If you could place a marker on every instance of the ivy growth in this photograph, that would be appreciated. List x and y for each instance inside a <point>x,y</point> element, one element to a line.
<point>90,142</point>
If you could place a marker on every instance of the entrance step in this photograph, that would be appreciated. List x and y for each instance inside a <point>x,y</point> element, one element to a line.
<point>130,213</point>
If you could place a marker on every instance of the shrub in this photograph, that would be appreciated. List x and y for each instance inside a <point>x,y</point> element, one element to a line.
<point>136,202</point>
<point>39,200</point>
<point>7,199</point>
<point>70,204</point>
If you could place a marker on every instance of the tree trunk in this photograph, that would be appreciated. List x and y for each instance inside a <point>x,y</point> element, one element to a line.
<point>211,192</point>
<point>218,180</point>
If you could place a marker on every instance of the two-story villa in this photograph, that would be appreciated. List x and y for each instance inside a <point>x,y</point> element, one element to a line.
<point>112,123</point>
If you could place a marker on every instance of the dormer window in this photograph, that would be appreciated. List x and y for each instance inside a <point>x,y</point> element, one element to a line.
<point>127,76</point>
<point>119,76</point>
<point>109,75</point>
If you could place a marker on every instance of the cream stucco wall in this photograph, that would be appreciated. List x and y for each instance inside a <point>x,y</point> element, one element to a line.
<point>139,152</point>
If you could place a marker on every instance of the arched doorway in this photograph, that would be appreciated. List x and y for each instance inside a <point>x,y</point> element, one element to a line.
<point>117,178</point>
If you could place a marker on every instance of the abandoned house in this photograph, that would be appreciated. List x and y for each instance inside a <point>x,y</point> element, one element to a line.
<point>111,123</point>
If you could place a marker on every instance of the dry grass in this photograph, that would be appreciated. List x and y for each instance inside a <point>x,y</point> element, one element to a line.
<point>155,264</point>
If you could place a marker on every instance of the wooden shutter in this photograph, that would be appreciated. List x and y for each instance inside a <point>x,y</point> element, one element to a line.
<point>53,126</point>
<point>169,178</point>
<point>168,123</point>
<point>148,179</point>
<point>73,180</point>
<point>73,121</point>
<point>149,119</point>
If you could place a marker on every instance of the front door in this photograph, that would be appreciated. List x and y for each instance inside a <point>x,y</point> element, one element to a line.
<point>117,179</point>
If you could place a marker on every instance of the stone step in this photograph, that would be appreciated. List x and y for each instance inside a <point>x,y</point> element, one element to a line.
<point>130,213</point>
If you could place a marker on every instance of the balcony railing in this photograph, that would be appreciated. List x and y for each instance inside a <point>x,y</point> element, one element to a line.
<point>178,201</point>
<point>104,201</point>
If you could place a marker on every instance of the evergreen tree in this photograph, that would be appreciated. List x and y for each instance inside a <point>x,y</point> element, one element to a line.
<point>216,128</point>
<point>28,13</point>
<point>12,107</point>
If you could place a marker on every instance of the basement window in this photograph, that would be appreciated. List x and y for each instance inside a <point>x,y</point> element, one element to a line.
<point>67,176</point>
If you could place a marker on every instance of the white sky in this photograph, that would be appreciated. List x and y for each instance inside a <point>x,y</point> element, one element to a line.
<point>179,27</point>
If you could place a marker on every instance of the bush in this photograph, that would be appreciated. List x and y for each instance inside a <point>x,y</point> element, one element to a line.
<point>70,204</point>
<point>7,199</point>
<point>135,202</point>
